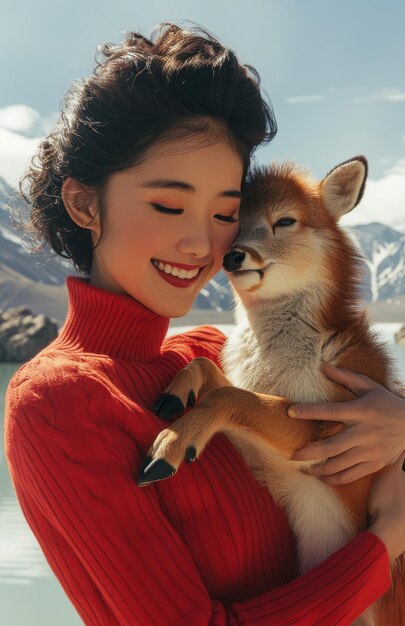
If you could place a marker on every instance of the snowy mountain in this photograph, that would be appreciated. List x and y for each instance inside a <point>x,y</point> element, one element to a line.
<point>383,249</point>
<point>40,282</point>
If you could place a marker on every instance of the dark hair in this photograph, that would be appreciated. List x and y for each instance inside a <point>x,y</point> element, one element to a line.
<point>175,83</point>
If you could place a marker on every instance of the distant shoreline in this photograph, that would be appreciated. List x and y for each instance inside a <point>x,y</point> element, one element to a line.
<point>379,312</point>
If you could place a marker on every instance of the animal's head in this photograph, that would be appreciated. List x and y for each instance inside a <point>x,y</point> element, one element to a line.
<point>289,239</point>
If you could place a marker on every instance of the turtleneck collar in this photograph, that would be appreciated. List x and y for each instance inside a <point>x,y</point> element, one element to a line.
<point>103,322</point>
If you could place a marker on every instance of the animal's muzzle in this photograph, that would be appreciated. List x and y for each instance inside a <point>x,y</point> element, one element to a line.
<point>233,260</point>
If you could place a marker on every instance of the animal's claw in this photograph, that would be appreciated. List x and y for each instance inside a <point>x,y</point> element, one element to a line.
<point>158,469</point>
<point>191,454</point>
<point>167,406</point>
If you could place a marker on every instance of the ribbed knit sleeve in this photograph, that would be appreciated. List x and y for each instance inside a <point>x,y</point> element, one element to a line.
<point>113,549</point>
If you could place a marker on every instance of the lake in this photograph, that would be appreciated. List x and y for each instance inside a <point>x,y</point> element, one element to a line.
<point>30,595</point>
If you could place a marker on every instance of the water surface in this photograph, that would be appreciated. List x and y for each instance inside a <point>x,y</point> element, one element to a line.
<point>30,595</point>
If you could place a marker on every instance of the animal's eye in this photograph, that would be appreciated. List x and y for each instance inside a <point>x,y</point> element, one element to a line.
<point>285,221</point>
<point>165,209</point>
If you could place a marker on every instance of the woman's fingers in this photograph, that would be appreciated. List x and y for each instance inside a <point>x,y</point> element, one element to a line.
<point>357,383</point>
<point>325,448</point>
<point>336,411</point>
<point>381,494</point>
<point>349,475</point>
<point>374,435</point>
<point>324,411</point>
<point>342,462</point>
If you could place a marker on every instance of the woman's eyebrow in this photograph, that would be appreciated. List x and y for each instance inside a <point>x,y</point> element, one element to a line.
<point>163,183</point>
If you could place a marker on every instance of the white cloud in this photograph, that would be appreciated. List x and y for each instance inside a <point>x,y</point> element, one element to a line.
<point>387,95</point>
<point>21,130</point>
<point>16,152</point>
<point>383,200</point>
<point>19,118</point>
<point>397,168</point>
<point>24,120</point>
<point>304,99</point>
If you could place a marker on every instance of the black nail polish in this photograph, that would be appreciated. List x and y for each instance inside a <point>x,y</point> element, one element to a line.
<point>191,454</point>
<point>156,470</point>
<point>191,398</point>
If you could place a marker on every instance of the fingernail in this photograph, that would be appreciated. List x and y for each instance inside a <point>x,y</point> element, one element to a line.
<point>156,470</point>
<point>291,412</point>
<point>191,454</point>
<point>168,405</point>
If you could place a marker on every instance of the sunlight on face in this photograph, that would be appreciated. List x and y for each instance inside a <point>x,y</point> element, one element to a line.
<point>168,223</point>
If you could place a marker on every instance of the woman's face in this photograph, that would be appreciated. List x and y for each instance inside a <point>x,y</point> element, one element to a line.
<point>175,214</point>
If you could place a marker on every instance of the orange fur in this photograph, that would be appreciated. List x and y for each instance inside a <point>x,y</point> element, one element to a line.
<point>309,277</point>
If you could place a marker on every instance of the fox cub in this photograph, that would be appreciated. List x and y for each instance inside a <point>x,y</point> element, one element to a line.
<point>295,275</point>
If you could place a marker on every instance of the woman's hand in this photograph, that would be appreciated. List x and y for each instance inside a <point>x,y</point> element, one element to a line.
<point>386,507</point>
<point>374,435</point>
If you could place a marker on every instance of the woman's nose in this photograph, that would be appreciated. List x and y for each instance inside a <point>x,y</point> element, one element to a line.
<point>198,244</point>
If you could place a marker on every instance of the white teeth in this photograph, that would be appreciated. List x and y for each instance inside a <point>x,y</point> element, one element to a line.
<point>175,271</point>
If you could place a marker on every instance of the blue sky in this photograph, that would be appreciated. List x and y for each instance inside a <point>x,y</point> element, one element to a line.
<point>334,72</point>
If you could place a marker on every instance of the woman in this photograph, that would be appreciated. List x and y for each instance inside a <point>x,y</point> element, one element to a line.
<point>139,184</point>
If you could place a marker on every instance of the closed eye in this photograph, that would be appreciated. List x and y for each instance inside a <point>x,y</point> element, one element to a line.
<point>285,221</point>
<point>168,211</point>
<point>165,209</point>
<point>227,218</point>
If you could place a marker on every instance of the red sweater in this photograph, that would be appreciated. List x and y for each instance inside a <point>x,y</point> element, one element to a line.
<point>208,546</point>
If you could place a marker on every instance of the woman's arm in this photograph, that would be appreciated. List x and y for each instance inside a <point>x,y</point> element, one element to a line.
<point>375,429</point>
<point>116,555</point>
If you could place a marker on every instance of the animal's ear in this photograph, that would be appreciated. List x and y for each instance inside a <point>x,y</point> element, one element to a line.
<point>343,187</point>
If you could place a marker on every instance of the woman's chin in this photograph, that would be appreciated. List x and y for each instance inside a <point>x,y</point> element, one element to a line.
<point>173,310</point>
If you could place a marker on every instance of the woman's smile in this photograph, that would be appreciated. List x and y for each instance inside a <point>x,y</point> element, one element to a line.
<point>178,275</point>
<point>186,246</point>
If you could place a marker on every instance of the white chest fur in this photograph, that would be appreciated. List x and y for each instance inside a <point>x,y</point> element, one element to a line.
<point>278,351</point>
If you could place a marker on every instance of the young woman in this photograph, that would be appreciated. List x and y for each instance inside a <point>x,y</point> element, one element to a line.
<point>139,184</point>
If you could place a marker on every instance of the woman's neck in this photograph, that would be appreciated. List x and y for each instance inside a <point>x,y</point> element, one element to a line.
<point>104,322</point>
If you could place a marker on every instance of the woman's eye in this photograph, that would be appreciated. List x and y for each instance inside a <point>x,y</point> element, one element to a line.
<point>165,209</point>
<point>285,221</point>
<point>227,218</point>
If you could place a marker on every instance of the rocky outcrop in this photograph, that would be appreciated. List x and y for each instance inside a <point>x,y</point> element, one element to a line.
<point>23,334</point>
<point>400,336</point>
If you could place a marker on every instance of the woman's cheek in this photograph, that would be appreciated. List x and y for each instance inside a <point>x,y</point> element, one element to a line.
<point>230,237</point>
<point>224,241</point>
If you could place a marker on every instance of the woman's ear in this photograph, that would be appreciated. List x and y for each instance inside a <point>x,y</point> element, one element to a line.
<point>80,204</point>
<point>343,187</point>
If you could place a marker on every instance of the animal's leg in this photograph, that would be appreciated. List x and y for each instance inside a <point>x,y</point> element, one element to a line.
<point>257,417</point>
<point>197,378</point>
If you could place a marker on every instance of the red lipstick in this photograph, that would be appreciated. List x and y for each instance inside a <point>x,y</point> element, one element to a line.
<point>181,265</point>
<point>179,282</point>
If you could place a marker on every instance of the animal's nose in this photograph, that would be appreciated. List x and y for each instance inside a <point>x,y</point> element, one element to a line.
<point>233,260</point>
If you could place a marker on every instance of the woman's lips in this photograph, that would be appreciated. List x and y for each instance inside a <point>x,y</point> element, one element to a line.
<point>175,281</point>
<point>181,265</point>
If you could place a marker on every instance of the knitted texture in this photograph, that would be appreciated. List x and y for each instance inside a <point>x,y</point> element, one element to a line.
<point>207,546</point>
